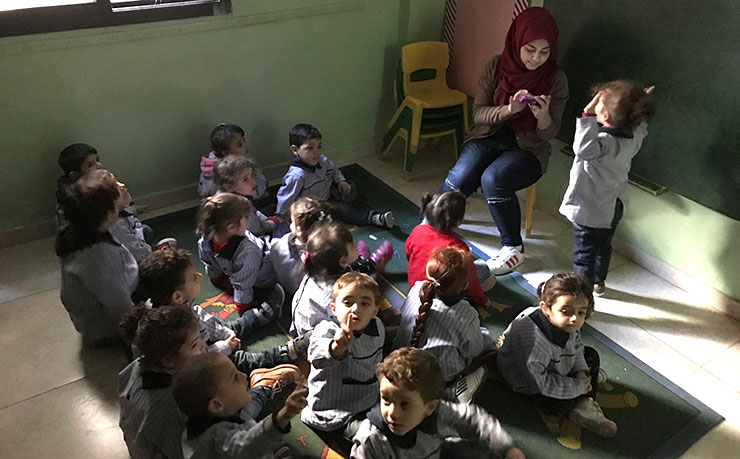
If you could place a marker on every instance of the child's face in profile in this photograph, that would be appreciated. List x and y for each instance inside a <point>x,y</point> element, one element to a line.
<point>402,409</point>
<point>191,284</point>
<point>567,313</point>
<point>238,146</point>
<point>601,110</point>
<point>309,152</point>
<point>356,306</point>
<point>91,163</point>
<point>350,257</point>
<point>233,389</point>
<point>296,230</point>
<point>192,346</point>
<point>238,228</point>
<point>245,184</point>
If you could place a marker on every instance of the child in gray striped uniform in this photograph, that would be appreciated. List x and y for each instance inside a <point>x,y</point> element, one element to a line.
<point>313,174</point>
<point>226,139</point>
<point>287,252</point>
<point>438,318</point>
<point>330,252</point>
<point>213,395</point>
<point>344,350</point>
<point>543,356</point>
<point>412,422</point>
<point>98,273</point>
<point>150,421</point>
<point>168,277</point>
<point>236,174</point>
<point>235,260</point>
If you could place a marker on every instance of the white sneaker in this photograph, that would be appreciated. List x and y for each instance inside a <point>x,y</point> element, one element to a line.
<point>467,386</point>
<point>383,219</point>
<point>588,415</point>
<point>506,260</point>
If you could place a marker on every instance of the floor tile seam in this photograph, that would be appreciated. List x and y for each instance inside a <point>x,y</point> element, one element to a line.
<point>42,393</point>
<point>692,361</point>
<point>30,294</point>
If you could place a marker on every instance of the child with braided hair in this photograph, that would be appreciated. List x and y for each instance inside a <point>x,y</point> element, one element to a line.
<point>437,318</point>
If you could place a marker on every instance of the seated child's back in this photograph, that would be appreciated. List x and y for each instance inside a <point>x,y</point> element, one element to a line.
<point>150,421</point>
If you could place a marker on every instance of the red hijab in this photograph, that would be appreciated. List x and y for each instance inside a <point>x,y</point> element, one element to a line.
<point>531,24</point>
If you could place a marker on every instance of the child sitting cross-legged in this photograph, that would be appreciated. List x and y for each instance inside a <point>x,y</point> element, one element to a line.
<point>344,350</point>
<point>213,395</point>
<point>236,174</point>
<point>226,139</point>
<point>437,318</point>
<point>235,260</point>
<point>542,354</point>
<point>313,174</point>
<point>98,273</point>
<point>443,213</point>
<point>330,252</point>
<point>168,277</point>
<point>150,421</point>
<point>412,422</point>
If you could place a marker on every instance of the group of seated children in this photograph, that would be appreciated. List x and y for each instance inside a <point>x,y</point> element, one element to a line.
<point>192,391</point>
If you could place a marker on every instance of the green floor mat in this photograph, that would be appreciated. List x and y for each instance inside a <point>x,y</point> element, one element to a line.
<point>655,417</point>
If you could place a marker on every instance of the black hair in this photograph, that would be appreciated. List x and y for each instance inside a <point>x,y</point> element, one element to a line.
<point>627,102</point>
<point>159,332</point>
<point>302,133</point>
<point>221,138</point>
<point>90,200</point>
<point>162,273</point>
<point>73,157</point>
<point>568,283</point>
<point>444,211</point>
<point>327,244</point>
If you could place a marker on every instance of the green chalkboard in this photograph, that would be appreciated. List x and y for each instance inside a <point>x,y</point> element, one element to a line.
<point>690,50</point>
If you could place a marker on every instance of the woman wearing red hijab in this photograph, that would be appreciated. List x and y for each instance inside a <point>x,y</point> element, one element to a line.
<point>507,148</point>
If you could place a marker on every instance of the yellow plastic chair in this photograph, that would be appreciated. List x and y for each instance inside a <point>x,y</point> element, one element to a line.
<point>529,209</point>
<point>429,108</point>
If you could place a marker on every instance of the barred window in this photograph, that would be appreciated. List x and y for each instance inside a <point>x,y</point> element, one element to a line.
<point>23,17</point>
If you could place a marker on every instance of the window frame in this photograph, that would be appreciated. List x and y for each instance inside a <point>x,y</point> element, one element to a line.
<point>102,13</point>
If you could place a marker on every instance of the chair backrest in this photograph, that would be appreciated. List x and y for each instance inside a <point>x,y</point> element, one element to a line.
<point>424,61</point>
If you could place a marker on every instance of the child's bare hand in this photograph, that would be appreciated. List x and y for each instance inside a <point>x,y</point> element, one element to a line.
<point>591,107</point>
<point>649,89</point>
<point>295,402</point>
<point>344,188</point>
<point>234,343</point>
<point>585,378</point>
<point>343,339</point>
<point>514,105</point>
<point>514,453</point>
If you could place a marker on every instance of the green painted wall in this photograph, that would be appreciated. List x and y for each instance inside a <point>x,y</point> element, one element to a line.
<point>682,233</point>
<point>147,96</point>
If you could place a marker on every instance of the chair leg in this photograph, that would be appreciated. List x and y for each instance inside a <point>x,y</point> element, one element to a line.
<point>397,122</point>
<point>413,142</point>
<point>531,198</point>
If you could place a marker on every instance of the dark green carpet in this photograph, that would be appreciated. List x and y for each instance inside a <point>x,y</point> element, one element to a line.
<point>655,417</point>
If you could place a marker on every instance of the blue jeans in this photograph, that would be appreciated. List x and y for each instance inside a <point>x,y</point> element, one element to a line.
<point>499,168</point>
<point>246,362</point>
<point>592,248</point>
<point>260,397</point>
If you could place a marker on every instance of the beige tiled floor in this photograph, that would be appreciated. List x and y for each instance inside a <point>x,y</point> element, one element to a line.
<point>59,401</point>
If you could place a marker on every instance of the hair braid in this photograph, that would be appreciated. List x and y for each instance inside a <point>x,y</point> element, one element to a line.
<point>427,294</point>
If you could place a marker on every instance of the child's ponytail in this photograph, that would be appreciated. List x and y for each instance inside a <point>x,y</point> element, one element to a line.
<point>307,212</point>
<point>218,212</point>
<point>447,276</point>
<point>443,211</point>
